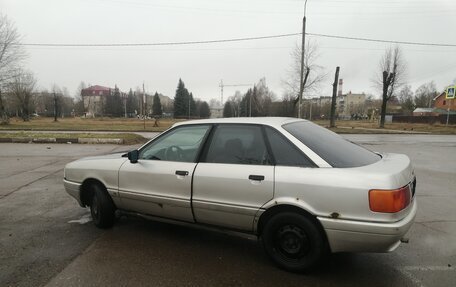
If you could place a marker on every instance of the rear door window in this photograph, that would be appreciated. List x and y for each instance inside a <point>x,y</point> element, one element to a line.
<point>238,144</point>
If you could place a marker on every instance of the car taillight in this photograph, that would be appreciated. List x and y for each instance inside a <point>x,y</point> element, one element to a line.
<point>389,201</point>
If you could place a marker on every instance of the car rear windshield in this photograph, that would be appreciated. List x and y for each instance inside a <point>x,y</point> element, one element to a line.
<point>334,149</point>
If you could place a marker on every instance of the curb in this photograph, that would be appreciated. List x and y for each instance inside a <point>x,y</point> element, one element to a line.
<point>63,140</point>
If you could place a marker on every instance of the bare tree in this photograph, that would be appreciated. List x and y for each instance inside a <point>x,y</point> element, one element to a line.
<point>425,94</point>
<point>313,73</point>
<point>235,102</point>
<point>79,101</point>
<point>11,56</point>
<point>263,98</point>
<point>22,88</point>
<point>391,77</point>
<point>406,100</point>
<point>214,103</point>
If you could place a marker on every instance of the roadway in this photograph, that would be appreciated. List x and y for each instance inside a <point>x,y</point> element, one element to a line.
<point>46,239</point>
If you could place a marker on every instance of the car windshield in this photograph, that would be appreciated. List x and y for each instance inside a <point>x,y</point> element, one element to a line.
<point>334,149</point>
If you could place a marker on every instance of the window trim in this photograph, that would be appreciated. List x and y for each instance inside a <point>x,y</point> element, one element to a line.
<point>268,145</point>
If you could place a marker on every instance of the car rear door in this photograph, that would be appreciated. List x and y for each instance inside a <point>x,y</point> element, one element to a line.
<point>159,183</point>
<point>234,177</point>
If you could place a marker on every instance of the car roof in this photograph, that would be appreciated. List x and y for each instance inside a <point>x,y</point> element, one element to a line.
<point>271,121</point>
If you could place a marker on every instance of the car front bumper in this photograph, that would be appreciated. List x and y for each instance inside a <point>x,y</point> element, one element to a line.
<point>73,189</point>
<point>357,236</point>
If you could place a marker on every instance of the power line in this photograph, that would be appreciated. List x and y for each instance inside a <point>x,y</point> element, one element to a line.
<point>232,40</point>
<point>158,43</point>
<point>382,41</point>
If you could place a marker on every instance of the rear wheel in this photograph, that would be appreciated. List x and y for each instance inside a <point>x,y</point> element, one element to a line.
<point>101,207</point>
<point>294,241</point>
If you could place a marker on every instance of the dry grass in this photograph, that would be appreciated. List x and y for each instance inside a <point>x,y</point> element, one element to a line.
<point>132,125</point>
<point>128,138</point>
<point>82,124</point>
<point>359,127</point>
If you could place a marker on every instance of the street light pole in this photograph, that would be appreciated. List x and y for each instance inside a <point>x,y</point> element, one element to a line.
<point>301,84</point>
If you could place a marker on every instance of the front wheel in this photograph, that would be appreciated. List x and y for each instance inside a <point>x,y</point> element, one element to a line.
<point>102,208</point>
<point>294,242</point>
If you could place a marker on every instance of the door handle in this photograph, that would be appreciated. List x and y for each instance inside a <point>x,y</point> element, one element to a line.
<point>256,177</point>
<point>182,172</point>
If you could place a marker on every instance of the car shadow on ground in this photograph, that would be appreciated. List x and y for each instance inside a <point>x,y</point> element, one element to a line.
<point>137,252</point>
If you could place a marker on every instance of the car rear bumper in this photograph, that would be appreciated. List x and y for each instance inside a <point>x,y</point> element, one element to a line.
<point>357,236</point>
<point>73,189</point>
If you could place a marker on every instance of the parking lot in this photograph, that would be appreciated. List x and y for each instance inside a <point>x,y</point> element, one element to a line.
<point>47,239</point>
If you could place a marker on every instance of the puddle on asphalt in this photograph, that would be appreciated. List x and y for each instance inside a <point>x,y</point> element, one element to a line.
<point>83,220</point>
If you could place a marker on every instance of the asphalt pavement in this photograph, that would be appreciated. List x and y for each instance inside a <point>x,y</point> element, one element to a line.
<point>46,239</point>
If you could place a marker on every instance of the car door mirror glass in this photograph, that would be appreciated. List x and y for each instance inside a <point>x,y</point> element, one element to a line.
<point>133,156</point>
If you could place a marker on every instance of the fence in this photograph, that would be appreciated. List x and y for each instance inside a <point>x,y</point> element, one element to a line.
<point>440,119</point>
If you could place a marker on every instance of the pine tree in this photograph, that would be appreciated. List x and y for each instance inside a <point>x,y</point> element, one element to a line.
<point>202,109</point>
<point>205,112</point>
<point>181,100</point>
<point>192,106</point>
<point>245,104</point>
<point>227,110</point>
<point>117,103</point>
<point>132,104</point>
<point>157,107</point>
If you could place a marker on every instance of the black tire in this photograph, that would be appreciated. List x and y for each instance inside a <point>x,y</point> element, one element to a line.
<point>101,207</point>
<point>294,241</point>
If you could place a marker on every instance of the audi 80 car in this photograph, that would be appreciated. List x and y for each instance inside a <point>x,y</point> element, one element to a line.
<point>302,189</point>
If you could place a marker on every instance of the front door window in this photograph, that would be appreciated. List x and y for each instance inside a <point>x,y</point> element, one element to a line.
<point>181,144</point>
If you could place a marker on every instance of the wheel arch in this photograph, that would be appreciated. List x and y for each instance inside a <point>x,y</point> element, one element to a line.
<point>287,207</point>
<point>85,190</point>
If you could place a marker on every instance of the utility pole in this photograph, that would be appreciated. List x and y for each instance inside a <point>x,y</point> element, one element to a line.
<point>450,101</point>
<point>189,105</point>
<point>55,107</point>
<point>332,121</point>
<point>144,106</point>
<point>221,92</point>
<point>303,48</point>
<point>125,105</point>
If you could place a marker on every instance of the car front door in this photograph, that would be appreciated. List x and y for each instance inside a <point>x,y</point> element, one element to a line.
<point>159,183</point>
<point>234,178</point>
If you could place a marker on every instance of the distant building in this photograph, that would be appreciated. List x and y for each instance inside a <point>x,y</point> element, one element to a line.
<point>394,107</point>
<point>167,104</point>
<point>441,102</point>
<point>419,112</point>
<point>350,104</point>
<point>94,97</point>
<point>216,112</point>
<point>322,101</point>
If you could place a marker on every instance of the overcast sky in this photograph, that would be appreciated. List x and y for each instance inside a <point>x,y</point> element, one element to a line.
<point>202,67</point>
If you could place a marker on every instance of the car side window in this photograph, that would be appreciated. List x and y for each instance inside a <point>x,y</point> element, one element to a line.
<point>238,144</point>
<point>284,152</point>
<point>181,144</point>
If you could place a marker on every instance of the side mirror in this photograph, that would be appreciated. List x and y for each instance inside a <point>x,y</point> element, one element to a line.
<point>133,156</point>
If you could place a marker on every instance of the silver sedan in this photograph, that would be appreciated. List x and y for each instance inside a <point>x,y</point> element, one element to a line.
<point>303,190</point>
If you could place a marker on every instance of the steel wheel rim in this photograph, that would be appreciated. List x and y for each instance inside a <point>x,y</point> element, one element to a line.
<point>292,242</point>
